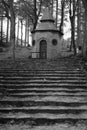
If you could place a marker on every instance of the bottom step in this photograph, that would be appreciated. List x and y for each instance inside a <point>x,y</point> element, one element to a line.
<point>41,121</point>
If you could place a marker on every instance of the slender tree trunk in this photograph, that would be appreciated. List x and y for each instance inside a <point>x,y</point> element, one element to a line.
<point>85,29</point>
<point>78,24</point>
<point>62,15</point>
<point>52,3</point>
<point>35,14</point>
<point>7,35</point>
<point>73,36</point>
<point>73,28</point>
<point>1,28</point>
<point>85,36</point>
<point>21,32</point>
<point>12,32</point>
<point>25,32</point>
<point>72,20</point>
<point>18,32</point>
<point>56,13</point>
<point>28,32</point>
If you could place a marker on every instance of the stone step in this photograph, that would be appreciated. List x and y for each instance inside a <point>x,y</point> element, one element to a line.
<point>41,78</point>
<point>46,98</point>
<point>22,95</point>
<point>44,85</point>
<point>42,116</point>
<point>45,109</point>
<point>40,70</point>
<point>41,75</point>
<point>43,71</point>
<point>47,93</point>
<point>7,112</point>
<point>43,96</point>
<point>44,82</point>
<point>28,103</point>
<point>40,121</point>
<point>42,90</point>
<point>58,93</point>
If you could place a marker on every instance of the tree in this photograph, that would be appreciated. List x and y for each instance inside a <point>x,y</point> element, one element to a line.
<point>10,13</point>
<point>85,29</point>
<point>7,33</point>
<point>56,12</point>
<point>18,31</point>
<point>62,15</point>
<point>12,19</point>
<point>72,20</point>
<point>80,25</point>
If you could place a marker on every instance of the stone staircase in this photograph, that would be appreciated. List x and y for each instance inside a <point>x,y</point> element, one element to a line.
<point>41,97</point>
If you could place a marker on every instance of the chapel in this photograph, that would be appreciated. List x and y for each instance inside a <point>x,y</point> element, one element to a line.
<point>47,40</point>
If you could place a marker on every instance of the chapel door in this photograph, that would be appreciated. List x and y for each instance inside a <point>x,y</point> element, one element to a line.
<point>43,49</point>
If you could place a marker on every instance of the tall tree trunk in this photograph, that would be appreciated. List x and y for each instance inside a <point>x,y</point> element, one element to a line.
<point>12,32</point>
<point>35,15</point>
<point>18,32</point>
<point>85,36</point>
<point>56,13</point>
<point>21,32</point>
<point>78,23</point>
<point>72,20</point>
<point>62,15</point>
<point>1,28</point>
<point>85,30</point>
<point>28,33</point>
<point>25,32</point>
<point>73,28</point>
<point>7,34</point>
<point>52,3</point>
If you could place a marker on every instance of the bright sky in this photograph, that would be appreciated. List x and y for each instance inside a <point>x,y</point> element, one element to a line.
<point>67,32</point>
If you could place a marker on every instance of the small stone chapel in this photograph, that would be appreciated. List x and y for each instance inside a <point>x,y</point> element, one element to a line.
<point>47,40</point>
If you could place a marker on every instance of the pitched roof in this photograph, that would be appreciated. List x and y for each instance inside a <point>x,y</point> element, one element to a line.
<point>47,16</point>
<point>46,23</point>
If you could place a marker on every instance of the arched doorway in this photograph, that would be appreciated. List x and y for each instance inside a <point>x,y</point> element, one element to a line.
<point>43,49</point>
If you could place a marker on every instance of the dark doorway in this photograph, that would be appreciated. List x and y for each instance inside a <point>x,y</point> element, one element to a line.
<point>43,49</point>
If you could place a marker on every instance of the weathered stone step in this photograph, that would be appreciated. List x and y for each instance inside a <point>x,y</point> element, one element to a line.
<point>41,90</point>
<point>41,70</point>
<point>46,98</point>
<point>79,94</point>
<point>40,121</point>
<point>43,96</point>
<point>41,78</point>
<point>11,108</point>
<point>6,112</point>
<point>41,103</point>
<point>44,85</point>
<point>42,81</point>
<point>45,109</point>
<point>45,89</point>
<point>22,116</point>
<point>41,75</point>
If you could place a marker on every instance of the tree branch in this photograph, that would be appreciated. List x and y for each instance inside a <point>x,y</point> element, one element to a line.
<point>6,7</point>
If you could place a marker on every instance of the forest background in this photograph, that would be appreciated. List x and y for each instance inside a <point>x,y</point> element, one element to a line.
<point>19,17</point>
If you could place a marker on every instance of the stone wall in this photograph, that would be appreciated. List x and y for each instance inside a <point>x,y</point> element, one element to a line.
<point>52,50</point>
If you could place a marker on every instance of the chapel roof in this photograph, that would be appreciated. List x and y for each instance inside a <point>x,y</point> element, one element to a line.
<point>46,23</point>
<point>47,16</point>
